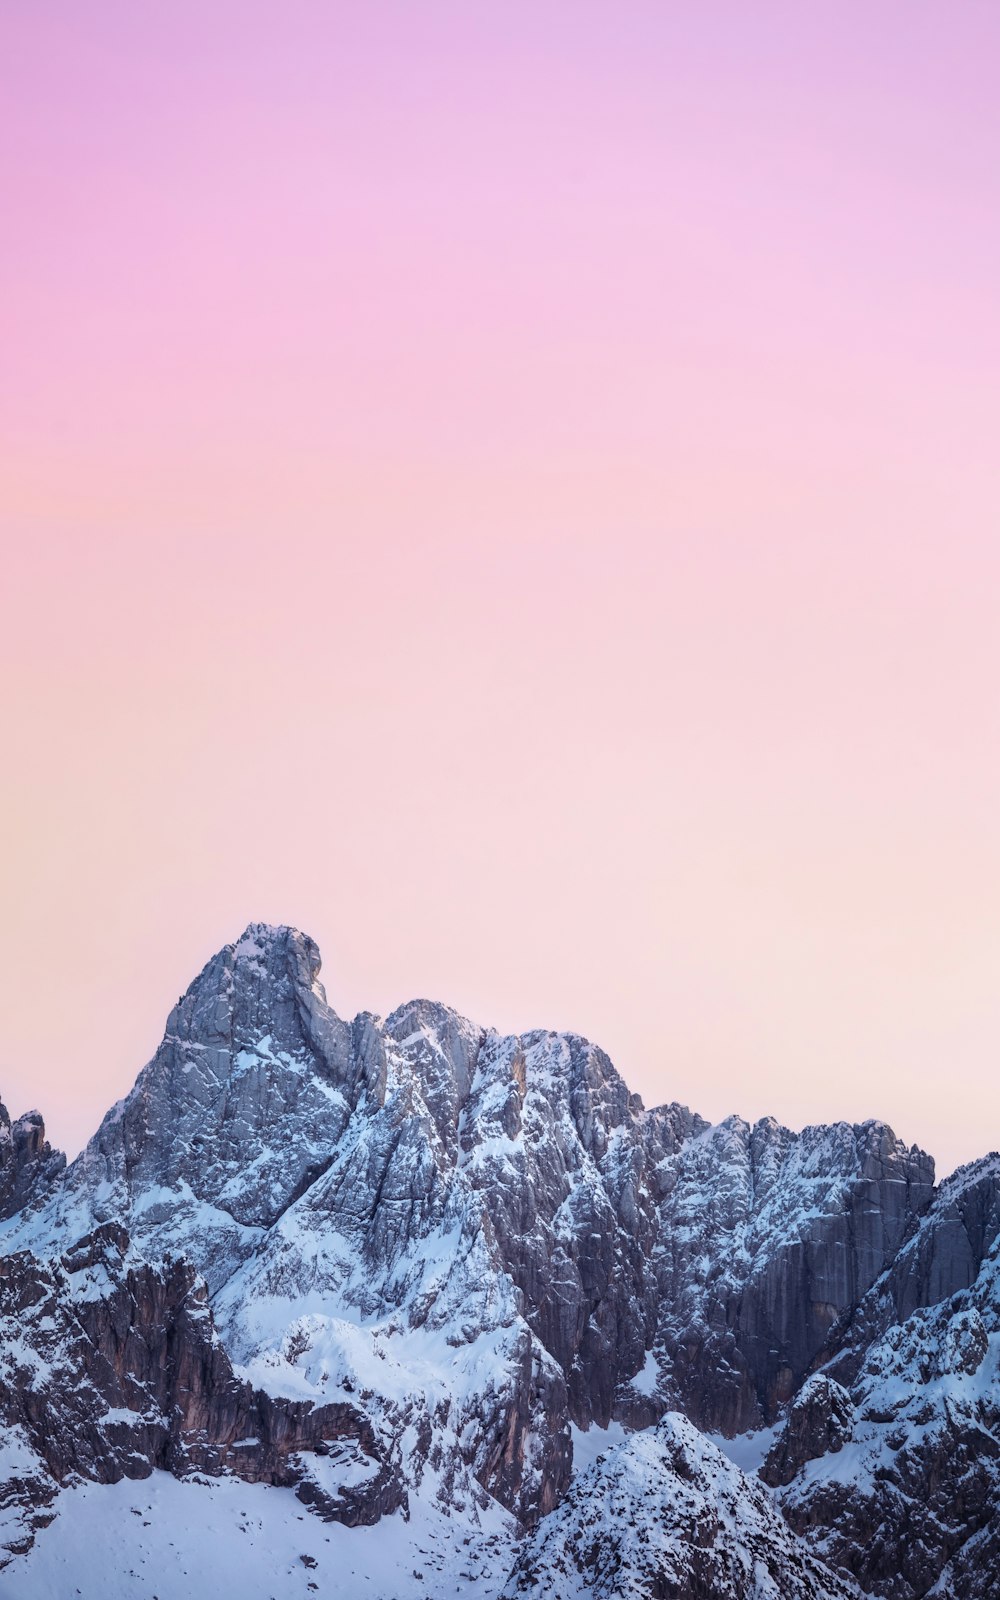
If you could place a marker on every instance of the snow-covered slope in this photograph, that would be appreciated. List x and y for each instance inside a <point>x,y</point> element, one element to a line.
<point>221,1537</point>
<point>665,1513</point>
<point>464,1249</point>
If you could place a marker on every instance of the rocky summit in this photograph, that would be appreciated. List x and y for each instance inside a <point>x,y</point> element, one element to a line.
<point>404,1308</point>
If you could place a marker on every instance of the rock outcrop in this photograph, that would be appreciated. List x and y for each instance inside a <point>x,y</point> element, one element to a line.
<point>29,1167</point>
<point>666,1514</point>
<point>898,1481</point>
<point>820,1422</point>
<point>766,1241</point>
<point>109,1371</point>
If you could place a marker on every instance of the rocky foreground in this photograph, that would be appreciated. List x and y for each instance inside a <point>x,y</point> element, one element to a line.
<point>411,1273</point>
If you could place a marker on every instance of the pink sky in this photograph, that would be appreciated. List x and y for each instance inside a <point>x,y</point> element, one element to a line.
<point>512,490</point>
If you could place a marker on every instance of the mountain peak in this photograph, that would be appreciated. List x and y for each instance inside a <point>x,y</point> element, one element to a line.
<point>259,938</point>
<point>266,981</point>
<point>269,945</point>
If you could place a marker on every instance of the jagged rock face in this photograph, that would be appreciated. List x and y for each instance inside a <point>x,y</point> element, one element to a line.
<point>237,1111</point>
<point>820,1422</point>
<point>552,1140</point>
<point>942,1258</point>
<point>766,1240</point>
<point>666,1514</point>
<point>29,1166</point>
<point>906,1492</point>
<point>972,1572</point>
<point>109,1371</point>
<point>395,1232</point>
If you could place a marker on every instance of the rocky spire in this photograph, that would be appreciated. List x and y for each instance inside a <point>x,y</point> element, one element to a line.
<point>28,1164</point>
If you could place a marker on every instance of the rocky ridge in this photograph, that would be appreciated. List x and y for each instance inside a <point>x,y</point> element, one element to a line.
<point>666,1513</point>
<point>460,1245</point>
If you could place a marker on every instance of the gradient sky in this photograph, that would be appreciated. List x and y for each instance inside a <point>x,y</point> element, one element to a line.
<point>512,490</point>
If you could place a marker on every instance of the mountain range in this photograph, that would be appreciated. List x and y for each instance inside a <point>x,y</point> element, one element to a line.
<point>404,1308</point>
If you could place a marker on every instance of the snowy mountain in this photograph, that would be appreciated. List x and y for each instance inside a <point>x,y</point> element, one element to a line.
<point>665,1512</point>
<point>402,1271</point>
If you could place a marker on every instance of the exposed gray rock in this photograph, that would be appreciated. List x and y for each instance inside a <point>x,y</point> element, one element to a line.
<point>942,1258</point>
<point>908,1501</point>
<point>29,1167</point>
<point>108,1371</point>
<point>552,1139</point>
<point>237,1112</point>
<point>820,1422</point>
<point>766,1241</point>
<point>971,1574</point>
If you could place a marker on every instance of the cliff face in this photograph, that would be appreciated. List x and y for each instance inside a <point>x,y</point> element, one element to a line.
<point>766,1243</point>
<point>433,1250</point>
<point>109,1371</point>
<point>894,1472</point>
